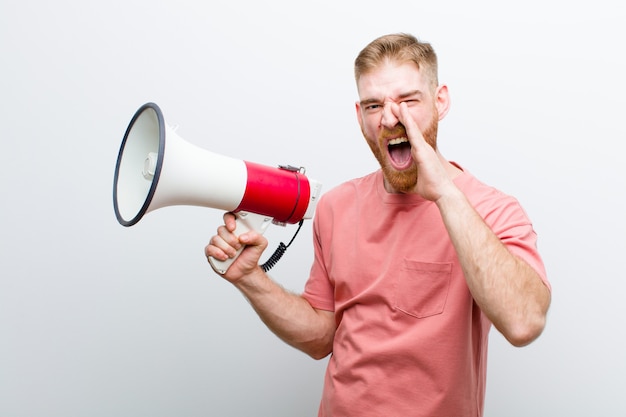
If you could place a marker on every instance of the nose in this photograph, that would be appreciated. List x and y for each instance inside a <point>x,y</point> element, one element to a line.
<point>388,119</point>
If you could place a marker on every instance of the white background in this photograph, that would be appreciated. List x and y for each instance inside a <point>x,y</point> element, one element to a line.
<point>101,320</point>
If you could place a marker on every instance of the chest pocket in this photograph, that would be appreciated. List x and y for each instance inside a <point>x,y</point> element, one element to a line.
<point>422,288</point>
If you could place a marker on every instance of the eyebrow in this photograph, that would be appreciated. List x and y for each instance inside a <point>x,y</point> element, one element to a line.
<point>402,96</point>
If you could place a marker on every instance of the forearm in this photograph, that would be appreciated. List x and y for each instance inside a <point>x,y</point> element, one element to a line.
<point>289,315</point>
<point>506,288</point>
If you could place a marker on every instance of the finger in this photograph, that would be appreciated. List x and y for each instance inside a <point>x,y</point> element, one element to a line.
<point>251,238</point>
<point>223,244</point>
<point>212,251</point>
<point>412,129</point>
<point>230,221</point>
<point>226,233</point>
<point>218,249</point>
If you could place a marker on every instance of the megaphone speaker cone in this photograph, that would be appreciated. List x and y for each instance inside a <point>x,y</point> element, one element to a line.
<point>132,190</point>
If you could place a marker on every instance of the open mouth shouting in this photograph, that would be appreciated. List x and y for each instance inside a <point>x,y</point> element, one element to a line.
<point>399,151</point>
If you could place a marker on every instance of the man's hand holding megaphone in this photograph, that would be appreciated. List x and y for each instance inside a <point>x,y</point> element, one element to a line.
<point>226,245</point>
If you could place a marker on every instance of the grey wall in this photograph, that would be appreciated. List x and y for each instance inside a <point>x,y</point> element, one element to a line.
<point>101,320</point>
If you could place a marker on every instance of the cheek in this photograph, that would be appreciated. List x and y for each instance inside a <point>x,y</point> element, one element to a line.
<point>370,127</point>
<point>371,135</point>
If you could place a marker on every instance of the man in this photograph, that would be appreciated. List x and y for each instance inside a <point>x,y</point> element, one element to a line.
<point>413,263</point>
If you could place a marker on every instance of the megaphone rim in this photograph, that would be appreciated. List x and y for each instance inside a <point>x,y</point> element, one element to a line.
<point>157,171</point>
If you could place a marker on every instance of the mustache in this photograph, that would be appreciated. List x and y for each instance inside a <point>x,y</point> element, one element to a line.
<point>398,131</point>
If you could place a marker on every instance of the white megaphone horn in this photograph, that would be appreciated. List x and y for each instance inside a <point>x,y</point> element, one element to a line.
<point>156,168</point>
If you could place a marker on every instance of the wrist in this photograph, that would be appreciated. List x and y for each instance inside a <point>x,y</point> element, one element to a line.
<point>252,282</point>
<point>451,198</point>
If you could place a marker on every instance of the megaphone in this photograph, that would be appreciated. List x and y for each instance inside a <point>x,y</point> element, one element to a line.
<point>156,168</point>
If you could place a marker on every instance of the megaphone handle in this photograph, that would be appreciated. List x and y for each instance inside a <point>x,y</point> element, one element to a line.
<point>246,221</point>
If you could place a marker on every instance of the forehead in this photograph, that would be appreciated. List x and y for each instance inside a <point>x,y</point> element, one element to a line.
<point>391,79</point>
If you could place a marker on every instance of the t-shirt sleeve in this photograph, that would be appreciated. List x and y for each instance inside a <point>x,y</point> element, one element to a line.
<point>514,228</point>
<point>319,290</point>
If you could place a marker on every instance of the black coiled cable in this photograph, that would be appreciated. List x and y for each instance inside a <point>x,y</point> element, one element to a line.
<point>280,251</point>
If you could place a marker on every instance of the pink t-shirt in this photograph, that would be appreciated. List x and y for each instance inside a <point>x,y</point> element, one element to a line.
<point>410,340</point>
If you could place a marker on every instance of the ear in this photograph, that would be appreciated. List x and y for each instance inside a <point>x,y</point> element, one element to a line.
<point>442,98</point>
<point>359,117</point>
